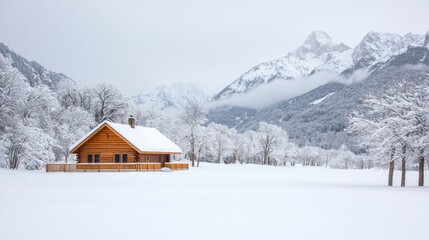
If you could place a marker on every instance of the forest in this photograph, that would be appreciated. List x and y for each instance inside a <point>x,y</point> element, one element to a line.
<point>40,122</point>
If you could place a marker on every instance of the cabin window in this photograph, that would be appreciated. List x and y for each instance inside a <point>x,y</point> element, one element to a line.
<point>97,158</point>
<point>124,158</point>
<point>117,158</point>
<point>89,158</point>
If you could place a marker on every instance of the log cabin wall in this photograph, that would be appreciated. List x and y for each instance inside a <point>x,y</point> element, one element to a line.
<point>106,143</point>
<point>153,157</point>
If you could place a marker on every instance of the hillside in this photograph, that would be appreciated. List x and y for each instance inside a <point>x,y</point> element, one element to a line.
<point>320,54</point>
<point>319,117</point>
<point>33,72</point>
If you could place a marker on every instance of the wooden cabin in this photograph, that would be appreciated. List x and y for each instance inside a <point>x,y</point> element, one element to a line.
<point>124,143</point>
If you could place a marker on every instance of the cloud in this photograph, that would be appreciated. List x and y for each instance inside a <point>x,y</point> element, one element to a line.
<point>280,89</point>
<point>357,76</point>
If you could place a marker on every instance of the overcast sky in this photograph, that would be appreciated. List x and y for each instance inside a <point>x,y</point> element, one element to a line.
<point>139,45</point>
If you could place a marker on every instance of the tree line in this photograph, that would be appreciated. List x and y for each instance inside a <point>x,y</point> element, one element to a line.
<point>39,123</point>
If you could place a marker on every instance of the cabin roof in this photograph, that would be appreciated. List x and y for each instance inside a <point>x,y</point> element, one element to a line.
<point>144,139</point>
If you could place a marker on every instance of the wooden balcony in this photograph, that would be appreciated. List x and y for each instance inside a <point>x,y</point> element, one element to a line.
<point>113,167</point>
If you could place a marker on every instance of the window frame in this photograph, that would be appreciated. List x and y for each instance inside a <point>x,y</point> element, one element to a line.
<point>119,157</point>
<point>95,157</point>
<point>89,158</point>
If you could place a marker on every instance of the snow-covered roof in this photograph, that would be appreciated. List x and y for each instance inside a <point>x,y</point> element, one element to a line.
<point>144,139</point>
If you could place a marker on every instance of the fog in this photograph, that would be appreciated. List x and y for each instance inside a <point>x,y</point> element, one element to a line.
<point>280,89</point>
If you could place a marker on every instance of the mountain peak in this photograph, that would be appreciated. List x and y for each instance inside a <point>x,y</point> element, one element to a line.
<point>317,43</point>
<point>317,39</point>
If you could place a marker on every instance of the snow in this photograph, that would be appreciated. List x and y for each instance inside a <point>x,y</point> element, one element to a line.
<point>213,202</point>
<point>319,53</point>
<point>143,138</point>
<point>379,47</point>
<point>317,101</point>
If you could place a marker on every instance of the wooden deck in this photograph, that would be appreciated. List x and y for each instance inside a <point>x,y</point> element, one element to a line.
<point>113,167</point>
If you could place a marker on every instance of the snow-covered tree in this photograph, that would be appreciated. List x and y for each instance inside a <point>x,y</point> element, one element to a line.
<point>71,124</point>
<point>109,103</point>
<point>70,94</point>
<point>220,140</point>
<point>251,150</point>
<point>192,117</point>
<point>237,146</point>
<point>13,93</point>
<point>308,155</point>
<point>269,138</point>
<point>395,124</point>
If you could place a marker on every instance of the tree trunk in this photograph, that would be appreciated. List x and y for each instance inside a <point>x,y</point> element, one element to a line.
<point>403,169</point>
<point>391,169</point>
<point>192,149</point>
<point>264,159</point>
<point>421,170</point>
<point>193,159</point>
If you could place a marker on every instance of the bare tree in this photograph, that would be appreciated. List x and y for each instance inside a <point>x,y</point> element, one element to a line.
<point>14,144</point>
<point>270,135</point>
<point>219,139</point>
<point>192,117</point>
<point>109,103</point>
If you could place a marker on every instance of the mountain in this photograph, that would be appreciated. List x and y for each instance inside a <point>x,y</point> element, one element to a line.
<point>173,97</point>
<point>33,72</point>
<point>378,47</point>
<point>319,117</point>
<point>426,44</point>
<point>320,53</point>
<point>316,54</point>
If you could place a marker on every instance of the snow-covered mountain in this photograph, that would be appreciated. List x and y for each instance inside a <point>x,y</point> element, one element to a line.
<point>172,97</point>
<point>317,53</point>
<point>319,117</point>
<point>378,47</point>
<point>32,71</point>
<point>320,53</point>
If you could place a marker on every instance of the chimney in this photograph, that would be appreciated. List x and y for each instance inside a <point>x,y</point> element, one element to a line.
<point>132,121</point>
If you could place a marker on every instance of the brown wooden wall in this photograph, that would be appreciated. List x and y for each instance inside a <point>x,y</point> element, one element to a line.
<point>153,158</point>
<point>107,143</point>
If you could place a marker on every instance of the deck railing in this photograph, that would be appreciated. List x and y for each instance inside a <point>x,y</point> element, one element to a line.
<point>113,167</point>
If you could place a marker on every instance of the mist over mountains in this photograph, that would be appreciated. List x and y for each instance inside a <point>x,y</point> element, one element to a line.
<point>313,106</point>
<point>310,92</point>
<point>320,54</point>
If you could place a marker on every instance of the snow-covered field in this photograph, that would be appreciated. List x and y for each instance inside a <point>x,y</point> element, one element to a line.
<point>212,202</point>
